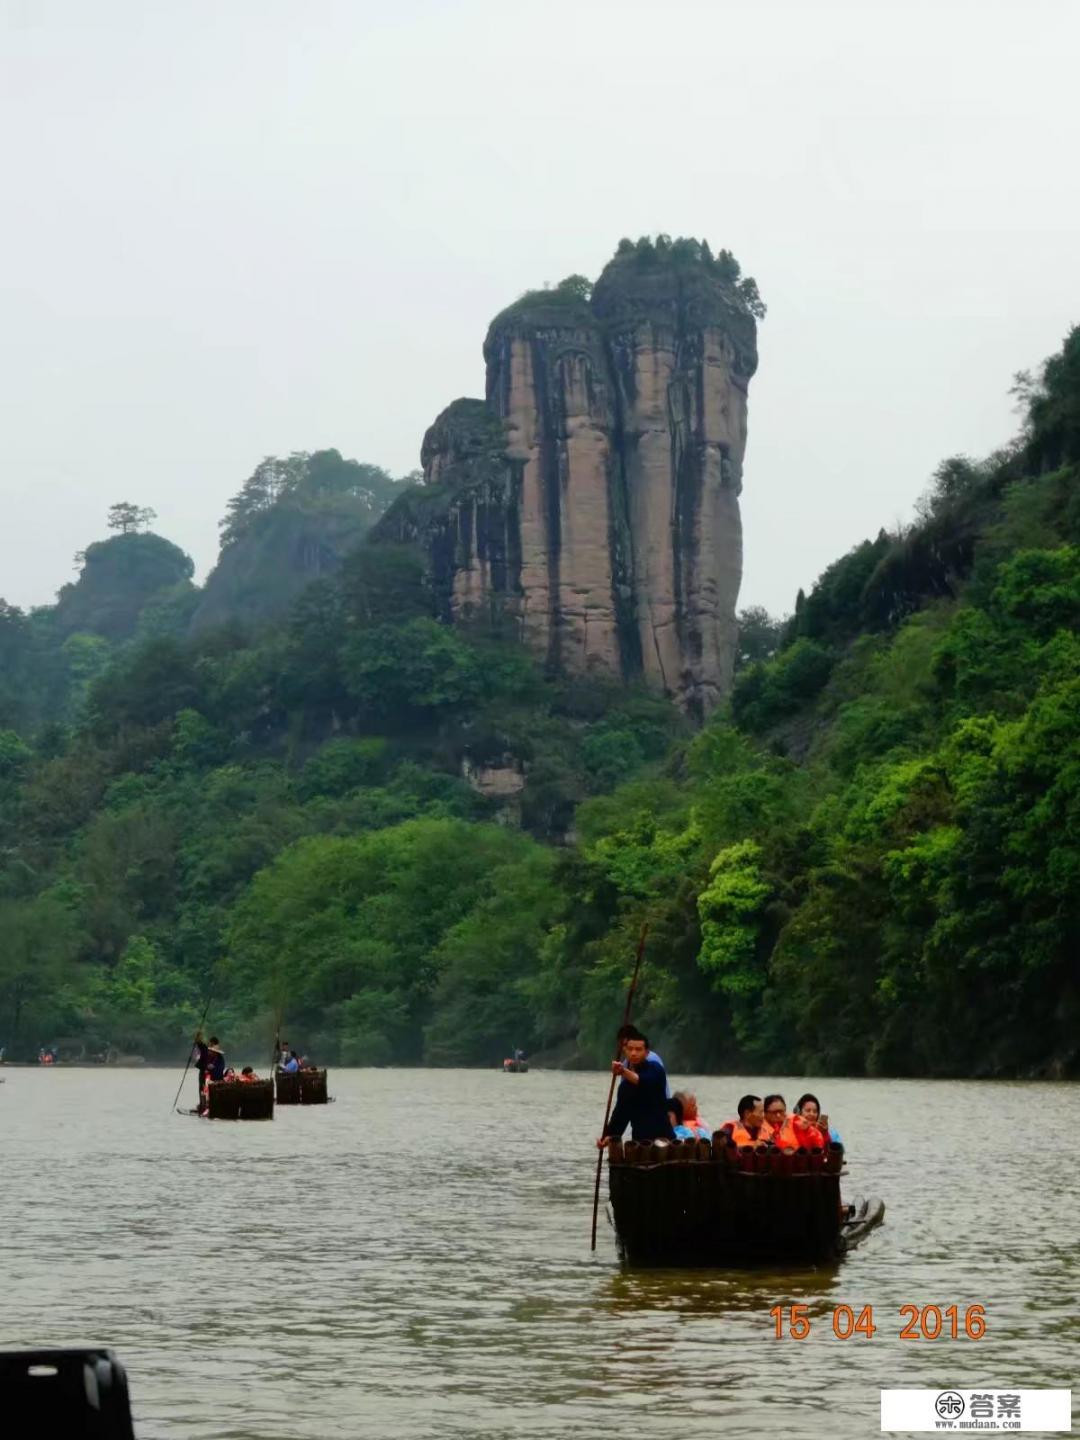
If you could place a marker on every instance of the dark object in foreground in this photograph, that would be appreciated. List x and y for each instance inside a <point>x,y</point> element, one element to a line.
<point>301,1087</point>
<point>701,1202</point>
<point>241,1100</point>
<point>65,1395</point>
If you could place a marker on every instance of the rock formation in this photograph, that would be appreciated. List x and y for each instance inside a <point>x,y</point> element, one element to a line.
<point>121,578</point>
<point>592,499</point>
<point>292,523</point>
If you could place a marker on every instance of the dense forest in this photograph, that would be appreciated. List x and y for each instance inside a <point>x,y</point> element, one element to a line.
<point>420,848</point>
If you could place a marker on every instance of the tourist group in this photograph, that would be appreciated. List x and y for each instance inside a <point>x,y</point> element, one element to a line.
<point>646,1104</point>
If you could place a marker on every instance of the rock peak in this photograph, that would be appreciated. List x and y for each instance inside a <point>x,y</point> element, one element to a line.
<point>592,498</point>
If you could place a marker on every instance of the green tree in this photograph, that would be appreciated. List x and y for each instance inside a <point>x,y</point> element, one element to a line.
<point>37,955</point>
<point>129,518</point>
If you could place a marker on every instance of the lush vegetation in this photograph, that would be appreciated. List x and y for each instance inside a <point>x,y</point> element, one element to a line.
<point>568,301</point>
<point>420,849</point>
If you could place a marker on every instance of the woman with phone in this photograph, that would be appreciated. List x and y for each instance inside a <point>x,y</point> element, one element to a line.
<point>809,1108</point>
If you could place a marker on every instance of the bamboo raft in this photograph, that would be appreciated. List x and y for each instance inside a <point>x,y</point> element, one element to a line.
<point>241,1100</point>
<point>515,1067</point>
<point>301,1087</point>
<point>702,1202</point>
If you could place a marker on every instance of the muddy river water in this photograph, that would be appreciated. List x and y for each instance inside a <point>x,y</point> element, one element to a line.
<point>412,1262</point>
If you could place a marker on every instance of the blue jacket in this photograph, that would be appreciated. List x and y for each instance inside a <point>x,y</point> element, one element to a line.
<point>642,1106</point>
<point>683,1132</point>
<point>652,1055</point>
<point>211,1062</point>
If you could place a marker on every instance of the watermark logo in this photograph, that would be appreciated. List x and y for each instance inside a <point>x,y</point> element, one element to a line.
<point>998,1412</point>
<point>950,1405</point>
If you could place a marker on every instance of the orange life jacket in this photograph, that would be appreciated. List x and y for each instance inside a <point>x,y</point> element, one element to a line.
<point>810,1137</point>
<point>741,1136</point>
<point>698,1126</point>
<point>247,1079</point>
<point>797,1132</point>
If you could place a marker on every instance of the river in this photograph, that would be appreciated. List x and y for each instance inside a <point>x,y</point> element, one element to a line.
<point>412,1262</point>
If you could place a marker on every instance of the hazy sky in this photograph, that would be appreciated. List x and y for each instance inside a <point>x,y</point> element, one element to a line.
<point>242,227</point>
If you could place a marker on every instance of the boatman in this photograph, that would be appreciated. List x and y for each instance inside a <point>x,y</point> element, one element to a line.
<point>209,1062</point>
<point>624,1034</point>
<point>641,1102</point>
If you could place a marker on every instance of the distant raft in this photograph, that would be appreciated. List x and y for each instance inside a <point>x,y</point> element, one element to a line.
<point>515,1067</point>
<point>701,1202</point>
<point>241,1100</point>
<point>301,1087</point>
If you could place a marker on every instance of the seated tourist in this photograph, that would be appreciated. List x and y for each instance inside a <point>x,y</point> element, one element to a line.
<point>690,1125</point>
<point>790,1132</point>
<point>292,1065</point>
<point>751,1128</point>
<point>230,1074</point>
<point>248,1074</point>
<point>641,1102</point>
<point>808,1110</point>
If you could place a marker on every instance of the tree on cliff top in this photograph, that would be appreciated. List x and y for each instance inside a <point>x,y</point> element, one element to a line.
<point>649,252</point>
<point>129,519</point>
<point>302,480</point>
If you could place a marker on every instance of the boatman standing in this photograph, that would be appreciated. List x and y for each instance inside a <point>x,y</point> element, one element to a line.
<point>209,1062</point>
<point>641,1101</point>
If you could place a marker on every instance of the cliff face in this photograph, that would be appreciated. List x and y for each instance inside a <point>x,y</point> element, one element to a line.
<point>293,522</point>
<point>549,381</point>
<point>466,517</point>
<point>682,353</point>
<point>593,500</point>
<point>259,577</point>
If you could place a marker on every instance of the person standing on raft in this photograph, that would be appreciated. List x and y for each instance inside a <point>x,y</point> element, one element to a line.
<point>209,1063</point>
<point>641,1102</point>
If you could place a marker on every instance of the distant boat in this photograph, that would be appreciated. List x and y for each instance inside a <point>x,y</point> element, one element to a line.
<point>702,1203</point>
<point>301,1087</point>
<point>518,1065</point>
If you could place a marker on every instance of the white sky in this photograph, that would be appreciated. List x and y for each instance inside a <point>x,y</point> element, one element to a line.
<point>242,227</point>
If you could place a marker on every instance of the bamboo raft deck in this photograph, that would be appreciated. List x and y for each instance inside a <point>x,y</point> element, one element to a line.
<point>700,1203</point>
<point>301,1087</point>
<point>241,1100</point>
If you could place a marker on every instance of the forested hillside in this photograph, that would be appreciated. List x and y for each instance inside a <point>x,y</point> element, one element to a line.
<point>422,849</point>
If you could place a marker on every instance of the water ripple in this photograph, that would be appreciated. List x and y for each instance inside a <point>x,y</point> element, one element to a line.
<point>412,1262</point>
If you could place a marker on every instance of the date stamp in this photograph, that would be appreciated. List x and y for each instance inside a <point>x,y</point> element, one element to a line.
<point>914,1322</point>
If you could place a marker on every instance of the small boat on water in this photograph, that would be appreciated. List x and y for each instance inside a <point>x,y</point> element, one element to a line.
<point>301,1087</point>
<point>515,1067</point>
<point>701,1203</point>
<point>241,1100</point>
